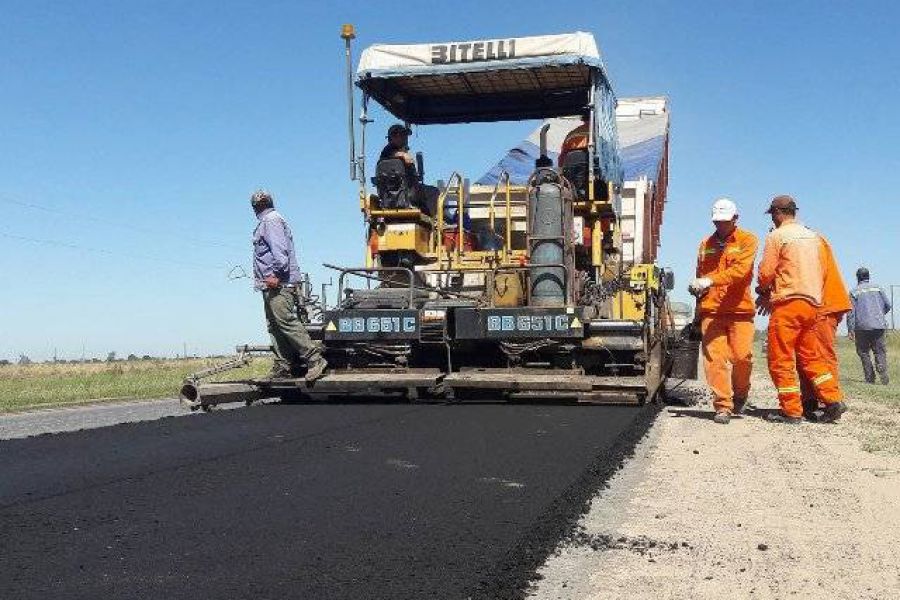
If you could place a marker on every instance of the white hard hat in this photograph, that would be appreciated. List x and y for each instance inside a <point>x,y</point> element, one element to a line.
<point>724,210</point>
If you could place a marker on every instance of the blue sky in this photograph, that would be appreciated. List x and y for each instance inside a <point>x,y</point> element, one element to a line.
<point>132,133</point>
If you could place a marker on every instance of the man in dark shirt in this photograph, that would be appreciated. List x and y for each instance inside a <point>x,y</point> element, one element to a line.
<point>398,147</point>
<point>866,325</point>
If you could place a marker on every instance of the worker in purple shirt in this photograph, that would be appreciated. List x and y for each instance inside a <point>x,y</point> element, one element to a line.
<point>277,276</point>
<point>866,325</point>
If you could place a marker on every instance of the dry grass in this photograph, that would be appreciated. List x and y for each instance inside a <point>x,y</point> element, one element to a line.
<point>47,385</point>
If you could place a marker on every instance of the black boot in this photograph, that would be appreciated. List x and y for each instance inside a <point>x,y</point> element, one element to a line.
<point>833,412</point>
<point>783,418</point>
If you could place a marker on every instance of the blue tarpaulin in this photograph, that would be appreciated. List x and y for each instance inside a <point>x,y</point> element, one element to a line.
<point>642,145</point>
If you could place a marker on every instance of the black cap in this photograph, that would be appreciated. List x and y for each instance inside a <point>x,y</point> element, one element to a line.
<point>398,128</point>
<point>862,274</point>
<point>782,203</point>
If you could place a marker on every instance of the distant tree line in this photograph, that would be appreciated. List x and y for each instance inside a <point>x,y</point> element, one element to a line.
<point>24,360</point>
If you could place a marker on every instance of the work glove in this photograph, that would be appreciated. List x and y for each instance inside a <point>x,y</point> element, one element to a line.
<point>699,286</point>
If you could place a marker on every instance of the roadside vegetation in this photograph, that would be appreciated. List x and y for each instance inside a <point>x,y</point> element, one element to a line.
<point>30,386</point>
<point>852,373</point>
<point>875,419</point>
<point>877,406</point>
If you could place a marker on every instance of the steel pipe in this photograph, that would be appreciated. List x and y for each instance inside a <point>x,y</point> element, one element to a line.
<point>207,394</point>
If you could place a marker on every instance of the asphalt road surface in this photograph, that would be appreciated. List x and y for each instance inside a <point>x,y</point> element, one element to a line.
<point>304,501</point>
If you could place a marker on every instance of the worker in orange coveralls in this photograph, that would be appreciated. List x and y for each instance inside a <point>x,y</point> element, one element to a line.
<point>792,273</point>
<point>577,139</point>
<point>726,309</point>
<point>835,304</point>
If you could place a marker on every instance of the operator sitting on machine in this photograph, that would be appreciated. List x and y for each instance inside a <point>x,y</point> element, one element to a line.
<point>398,147</point>
<point>424,196</point>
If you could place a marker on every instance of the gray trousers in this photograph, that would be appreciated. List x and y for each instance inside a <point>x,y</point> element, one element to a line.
<point>290,339</point>
<point>872,341</point>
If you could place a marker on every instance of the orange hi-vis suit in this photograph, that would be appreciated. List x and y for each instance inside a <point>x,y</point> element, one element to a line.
<point>726,315</point>
<point>577,139</point>
<point>835,304</point>
<point>792,267</point>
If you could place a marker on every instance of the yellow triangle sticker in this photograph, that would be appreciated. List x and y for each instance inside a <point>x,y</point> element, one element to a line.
<point>330,326</point>
<point>575,323</point>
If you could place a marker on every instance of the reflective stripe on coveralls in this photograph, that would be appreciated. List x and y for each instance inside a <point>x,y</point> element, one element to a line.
<point>825,336</point>
<point>729,265</point>
<point>792,340</point>
<point>835,304</point>
<point>727,348</point>
<point>727,312</point>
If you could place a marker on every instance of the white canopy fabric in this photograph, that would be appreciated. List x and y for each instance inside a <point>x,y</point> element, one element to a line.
<point>409,58</point>
<point>488,80</point>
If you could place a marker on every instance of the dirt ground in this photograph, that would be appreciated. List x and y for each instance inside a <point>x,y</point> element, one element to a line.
<point>746,510</point>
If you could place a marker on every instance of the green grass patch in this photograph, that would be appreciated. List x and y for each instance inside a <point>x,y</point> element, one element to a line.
<point>853,381</point>
<point>876,407</point>
<point>49,385</point>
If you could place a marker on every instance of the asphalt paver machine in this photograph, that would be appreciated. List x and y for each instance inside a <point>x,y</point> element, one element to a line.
<point>513,291</point>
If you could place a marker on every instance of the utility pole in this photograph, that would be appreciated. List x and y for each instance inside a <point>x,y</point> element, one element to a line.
<point>893,323</point>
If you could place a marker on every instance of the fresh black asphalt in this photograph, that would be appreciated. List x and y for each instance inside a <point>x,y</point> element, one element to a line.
<point>304,501</point>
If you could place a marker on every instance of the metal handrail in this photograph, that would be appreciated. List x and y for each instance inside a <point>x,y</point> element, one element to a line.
<point>507,242</point>
<point>363,271</point>
<point>359,272</point>
<point>440,210</point>
<point>507,250</point>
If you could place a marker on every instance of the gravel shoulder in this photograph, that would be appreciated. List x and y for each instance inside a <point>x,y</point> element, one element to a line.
<point>747,510</point>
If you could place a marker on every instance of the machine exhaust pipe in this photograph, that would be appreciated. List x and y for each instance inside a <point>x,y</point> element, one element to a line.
<point>543,160</point>
<point>198,394</point>
<point>544,131</point>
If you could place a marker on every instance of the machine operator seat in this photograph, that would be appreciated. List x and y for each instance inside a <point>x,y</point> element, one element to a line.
<point>395,189</point>
<point>575,169</point>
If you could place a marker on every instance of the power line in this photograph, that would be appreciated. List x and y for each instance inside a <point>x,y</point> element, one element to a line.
<point>183,237</point>
<point>71,246</point>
